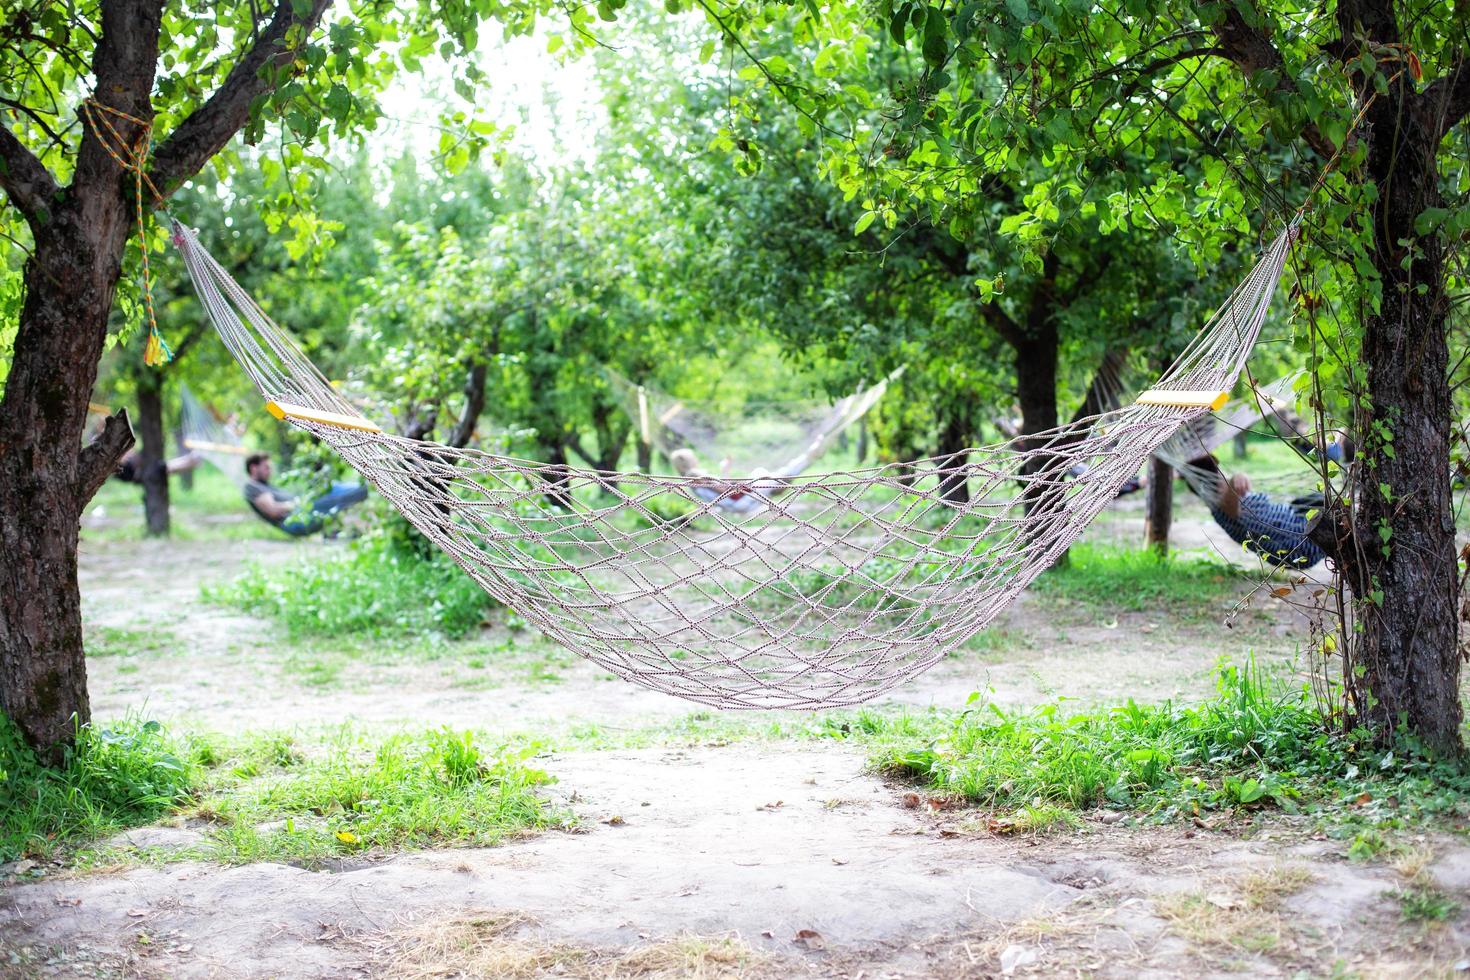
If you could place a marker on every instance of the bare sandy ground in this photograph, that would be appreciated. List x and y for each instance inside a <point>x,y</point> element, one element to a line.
<point>810,865</point>
<point>769,860</point>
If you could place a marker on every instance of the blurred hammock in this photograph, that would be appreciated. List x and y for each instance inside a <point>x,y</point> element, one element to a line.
<point>763,439</point>
<point>205,433</point>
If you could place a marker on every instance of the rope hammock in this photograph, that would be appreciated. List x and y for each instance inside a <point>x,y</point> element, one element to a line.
<point>779,439</point>
<point>842,587</point>
<point>1272,529</point>
<point>205,434</point>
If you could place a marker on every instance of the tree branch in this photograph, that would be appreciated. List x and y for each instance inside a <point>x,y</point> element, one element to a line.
<point>574,443</point>
<point>1447,98</point>
<point>99,457</point>
<point>1001,322</point>
<point>1250,50</point>
<point>474,405</point>
<point>27,182</point>
<point>209,127</point>
<point>1145,74</point>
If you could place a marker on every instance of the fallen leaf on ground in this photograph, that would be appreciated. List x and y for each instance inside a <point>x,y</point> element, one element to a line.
<point>137,913</point>
<point>911,800</point>
<point>772,806</point>
<point>615,820</point>
<point>839,861</point>
<point>809,939</point>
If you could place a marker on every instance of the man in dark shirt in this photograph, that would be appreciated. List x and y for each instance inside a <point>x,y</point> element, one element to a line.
<point>280,507</point>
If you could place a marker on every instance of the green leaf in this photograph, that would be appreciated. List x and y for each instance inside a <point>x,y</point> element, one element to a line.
<point>864,222</point>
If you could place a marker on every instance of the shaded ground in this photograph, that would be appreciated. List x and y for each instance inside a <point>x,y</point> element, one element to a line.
<point>745,859</point>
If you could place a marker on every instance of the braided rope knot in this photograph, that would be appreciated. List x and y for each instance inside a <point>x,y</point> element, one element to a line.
<point>132,156</point>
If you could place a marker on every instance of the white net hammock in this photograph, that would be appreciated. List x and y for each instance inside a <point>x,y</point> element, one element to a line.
<point>841,587</point>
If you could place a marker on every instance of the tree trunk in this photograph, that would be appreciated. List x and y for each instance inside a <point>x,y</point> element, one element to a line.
<point>645,457</point>
<point>79,232</point>
<point>1036,391</point>
<point>152,463</point>
<point>47,477</point>
<point>1160,515</point>
<point>954,439</point>
<point>1403,569</point>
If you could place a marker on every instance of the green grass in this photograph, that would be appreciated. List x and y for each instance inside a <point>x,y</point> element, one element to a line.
<point>435,789</point>
<point>375,590</point>
<point>265,797</point>
<point>1138,579</point>
<point>114,778</point>
<point>1253,745</point>
<point>119,641</point>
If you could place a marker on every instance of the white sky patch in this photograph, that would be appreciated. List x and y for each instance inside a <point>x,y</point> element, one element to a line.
<point>552,102</point>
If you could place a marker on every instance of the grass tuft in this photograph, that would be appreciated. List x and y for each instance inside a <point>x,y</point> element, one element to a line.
<point>436,789</point>
<point>1425,905</point>
<point>377,589</point>
<point>113,778</point>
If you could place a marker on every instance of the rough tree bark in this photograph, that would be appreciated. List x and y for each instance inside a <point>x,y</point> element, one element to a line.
<point>79,233</point>
<point>153,455</point>
<point>1407,586</point>
<point>1160,516</point>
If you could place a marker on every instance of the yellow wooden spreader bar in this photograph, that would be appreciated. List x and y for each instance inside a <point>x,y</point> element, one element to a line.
<point>215,447</point>
<point>1213,400</point>
<point>281,410</point>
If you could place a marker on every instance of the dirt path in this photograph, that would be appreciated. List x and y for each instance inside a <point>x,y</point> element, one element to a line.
<point>760,845</point>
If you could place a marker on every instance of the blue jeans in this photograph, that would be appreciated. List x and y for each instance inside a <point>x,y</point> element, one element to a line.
<point>339,498</point>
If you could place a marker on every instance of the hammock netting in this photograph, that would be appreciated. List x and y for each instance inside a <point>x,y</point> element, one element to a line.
<point>841,587</point>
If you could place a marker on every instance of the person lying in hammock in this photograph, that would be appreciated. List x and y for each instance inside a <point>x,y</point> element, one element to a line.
<point>741,496</point>
<point>282,509</point>
<point>1275,531</point>
<point>130,468</point>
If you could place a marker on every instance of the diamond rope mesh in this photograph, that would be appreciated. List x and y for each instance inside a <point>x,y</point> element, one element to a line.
<point>838,588</point>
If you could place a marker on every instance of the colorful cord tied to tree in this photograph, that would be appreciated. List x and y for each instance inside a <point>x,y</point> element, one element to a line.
<point>132,156</point>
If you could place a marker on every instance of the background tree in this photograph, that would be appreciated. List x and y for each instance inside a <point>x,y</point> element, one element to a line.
<point>71,204</point>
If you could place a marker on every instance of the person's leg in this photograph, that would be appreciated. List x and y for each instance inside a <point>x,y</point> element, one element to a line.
<point>340,497</point>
